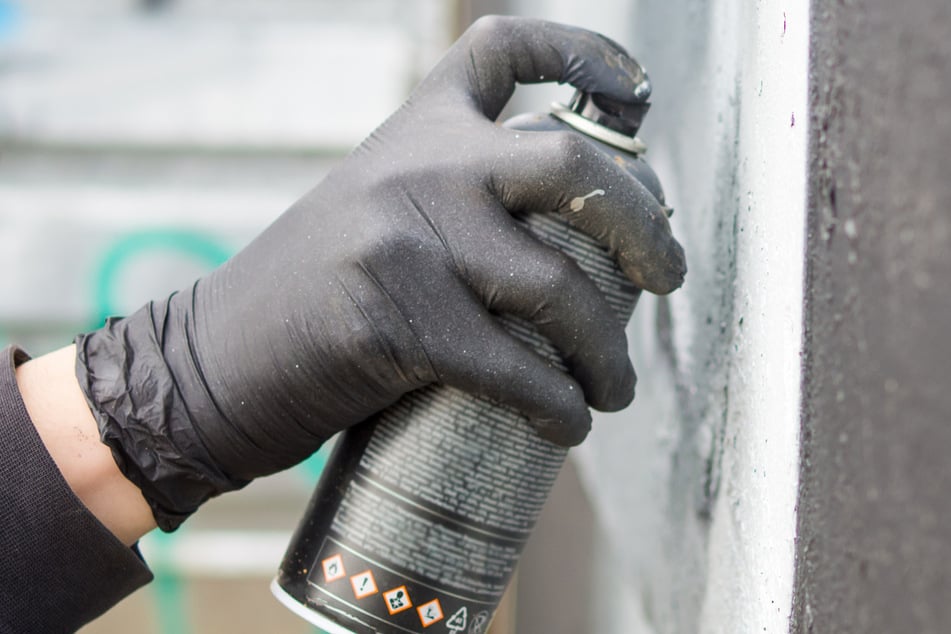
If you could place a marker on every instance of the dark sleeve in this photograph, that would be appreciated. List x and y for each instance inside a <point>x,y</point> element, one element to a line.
<point>59,567</point>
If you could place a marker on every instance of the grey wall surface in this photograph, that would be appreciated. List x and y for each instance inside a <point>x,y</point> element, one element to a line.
<point>874,553</point>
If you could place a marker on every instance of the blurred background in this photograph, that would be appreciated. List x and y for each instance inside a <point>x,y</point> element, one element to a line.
<point>143,142</point>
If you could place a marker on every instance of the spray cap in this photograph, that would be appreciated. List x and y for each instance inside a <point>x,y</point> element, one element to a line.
<point>625,118</point>
<point>608,120</point>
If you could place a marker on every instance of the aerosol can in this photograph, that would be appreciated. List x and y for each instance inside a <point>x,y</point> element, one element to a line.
<point>421,514</point>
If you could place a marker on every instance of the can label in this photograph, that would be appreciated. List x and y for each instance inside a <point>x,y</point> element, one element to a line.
<point>415,543</point>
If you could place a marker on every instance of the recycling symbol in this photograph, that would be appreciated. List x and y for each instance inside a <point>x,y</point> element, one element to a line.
<point>457,622</point>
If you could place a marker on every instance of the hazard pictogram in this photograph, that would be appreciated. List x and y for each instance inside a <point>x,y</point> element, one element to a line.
<point>430,613</point>
<point>333,568</point>
<point>363,584</point>
<point>457,622</point>
<point>397,600</point>
<point>480,623</point>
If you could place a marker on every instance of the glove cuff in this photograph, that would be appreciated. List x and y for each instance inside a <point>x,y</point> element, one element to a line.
<point>146,391</point>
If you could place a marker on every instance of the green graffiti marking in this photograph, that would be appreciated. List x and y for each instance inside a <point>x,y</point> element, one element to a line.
<point>193,244</point>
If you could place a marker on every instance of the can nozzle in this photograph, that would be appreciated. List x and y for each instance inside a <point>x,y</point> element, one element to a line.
<point>625,118</point>
<point>608,120</point>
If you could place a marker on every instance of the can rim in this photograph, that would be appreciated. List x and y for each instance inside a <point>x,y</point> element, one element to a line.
<point>295,606</point>
<point>630,144</point>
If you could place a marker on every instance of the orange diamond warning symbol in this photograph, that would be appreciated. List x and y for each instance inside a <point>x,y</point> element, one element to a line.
<point>333,568</point>
<point>363,584</point>
<point>430,613</point>
<point>397,600</point>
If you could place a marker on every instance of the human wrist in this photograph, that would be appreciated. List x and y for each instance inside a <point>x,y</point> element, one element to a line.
<point>148,399</point>
<point>68,430</point>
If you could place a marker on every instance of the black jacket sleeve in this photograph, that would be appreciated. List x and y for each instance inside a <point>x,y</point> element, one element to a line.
<point>59,566</point>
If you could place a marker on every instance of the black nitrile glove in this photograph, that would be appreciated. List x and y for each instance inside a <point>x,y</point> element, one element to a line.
<point>386,277</point>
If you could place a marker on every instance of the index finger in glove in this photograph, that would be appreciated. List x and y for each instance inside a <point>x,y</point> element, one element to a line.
<point>563,173</point>
<point>497,52</point>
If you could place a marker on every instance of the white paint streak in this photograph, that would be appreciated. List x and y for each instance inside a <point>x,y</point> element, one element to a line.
<point>577,204</point>
<point>727,133</point>
<point>730,120</point>
<point>751,552</point>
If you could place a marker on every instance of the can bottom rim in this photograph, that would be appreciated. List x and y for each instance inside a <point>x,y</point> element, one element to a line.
<point>305,613</point>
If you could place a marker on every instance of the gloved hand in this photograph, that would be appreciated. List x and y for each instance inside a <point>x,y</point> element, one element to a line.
<point>386,277</point>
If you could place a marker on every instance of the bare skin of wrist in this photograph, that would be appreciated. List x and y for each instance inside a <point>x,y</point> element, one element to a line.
<point>62,418</point>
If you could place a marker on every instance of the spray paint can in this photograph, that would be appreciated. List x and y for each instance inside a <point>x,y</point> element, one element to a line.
<point>421,514</point>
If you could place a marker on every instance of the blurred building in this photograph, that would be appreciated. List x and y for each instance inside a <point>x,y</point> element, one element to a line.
<point>142,143</point>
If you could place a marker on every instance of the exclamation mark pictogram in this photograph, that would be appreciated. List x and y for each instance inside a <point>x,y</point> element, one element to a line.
<point>363,584</point>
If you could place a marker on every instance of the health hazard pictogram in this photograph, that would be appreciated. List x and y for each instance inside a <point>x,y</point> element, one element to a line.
<point>333,568</point>
<point>397,600</point>
<point>430,612</point>
<point>457,622</point>
<point>363,584</point>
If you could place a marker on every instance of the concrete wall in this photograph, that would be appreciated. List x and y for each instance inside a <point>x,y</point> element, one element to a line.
<point>874,549</point>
